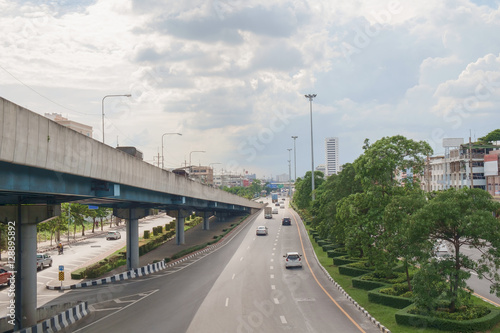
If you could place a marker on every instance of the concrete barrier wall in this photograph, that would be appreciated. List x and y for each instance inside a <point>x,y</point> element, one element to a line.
<point>27,138</point>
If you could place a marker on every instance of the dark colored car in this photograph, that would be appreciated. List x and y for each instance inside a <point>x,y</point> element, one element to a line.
<point>286,221</point>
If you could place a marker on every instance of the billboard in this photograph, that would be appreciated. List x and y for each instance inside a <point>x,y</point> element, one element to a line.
<point>452,142</point>
<point>491,165</point>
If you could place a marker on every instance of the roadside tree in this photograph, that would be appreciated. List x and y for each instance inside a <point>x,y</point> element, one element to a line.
<point>458,218</point>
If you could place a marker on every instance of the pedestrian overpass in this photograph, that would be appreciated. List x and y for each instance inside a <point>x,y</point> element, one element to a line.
<point>43,164</point>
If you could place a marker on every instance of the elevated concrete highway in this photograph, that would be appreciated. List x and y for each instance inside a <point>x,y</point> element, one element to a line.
<point>43,164</point>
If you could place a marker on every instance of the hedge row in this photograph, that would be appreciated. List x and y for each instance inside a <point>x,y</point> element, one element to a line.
<point>397,302</point>
<point>339,261</point>
<point>367,285</point>
<point>335,253</point>
<point>351,271</point>
<point>474,325</point>
<point>150,246</point>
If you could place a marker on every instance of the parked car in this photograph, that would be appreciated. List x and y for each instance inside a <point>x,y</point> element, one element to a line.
<point>292,259</point>
<point>113,235</point>
<point>43,260</point>
<point>5,276</point>
<point>286,221</point>
<point>261,230</point>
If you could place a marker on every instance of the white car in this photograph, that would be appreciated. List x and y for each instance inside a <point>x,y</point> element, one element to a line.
<point>113,235</point>
<point>292,259</point>
<point>261,230</point>
<point>275,210</point>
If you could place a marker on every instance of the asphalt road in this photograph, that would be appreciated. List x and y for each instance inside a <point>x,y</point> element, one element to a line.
<point>79,254</point>
<point>243,286</point>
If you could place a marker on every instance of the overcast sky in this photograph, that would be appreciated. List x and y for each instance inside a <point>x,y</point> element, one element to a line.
<point>231,75</point>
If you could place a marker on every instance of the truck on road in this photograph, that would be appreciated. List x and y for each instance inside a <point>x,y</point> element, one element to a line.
<point>268,212</point>
<point>274,197</point>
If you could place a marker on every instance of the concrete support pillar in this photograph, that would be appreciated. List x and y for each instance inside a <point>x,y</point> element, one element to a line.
<point>26,294</point>
<point>21,222</point>
<point>132,216</point>
<point>179,229</point>
<point>132,242</point>
<point>206,221</point>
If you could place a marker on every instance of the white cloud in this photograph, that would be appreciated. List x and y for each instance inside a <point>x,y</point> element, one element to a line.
<point>230,75</point>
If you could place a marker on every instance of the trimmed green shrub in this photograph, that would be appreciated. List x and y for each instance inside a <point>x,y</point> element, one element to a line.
<point>146,234</point>
<point>155,231</point>
<point>351,271</point>
<point>366,285</point>
<point>78,274</point>
<point>339,261</point>
<point>474,325</point>
<point>398,302</point>
<point>328,247</point>
<point>334,254</point>
<point>160,229</point>
<point>322,242</point>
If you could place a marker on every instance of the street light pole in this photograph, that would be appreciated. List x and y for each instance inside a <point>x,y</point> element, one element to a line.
<point>310,97</point>
<point>294,158</point>
<point>102,107</point>
<point>289,172</point>
<point>162,158</point>
<point>194,151</point>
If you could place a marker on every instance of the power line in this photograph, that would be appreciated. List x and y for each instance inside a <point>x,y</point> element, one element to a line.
<point>43,96</point>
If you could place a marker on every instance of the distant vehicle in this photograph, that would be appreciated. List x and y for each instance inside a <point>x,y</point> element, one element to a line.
<point>277,204</point>
<point>5,276</point>
<point>282,206</point>
<point>292,259</point>
<point>274,197</point>
<point>261,230</point>
<point>268,212</point>
<point>283,199</point>
<point>275,210</point>
<point>286,221</point>
<point>113,235</point>
<point>43,260</point>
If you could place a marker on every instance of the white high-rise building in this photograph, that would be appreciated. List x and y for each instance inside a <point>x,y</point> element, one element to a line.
<point>331,156</point>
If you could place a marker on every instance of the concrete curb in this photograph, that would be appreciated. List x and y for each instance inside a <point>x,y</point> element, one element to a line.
<point>382,328</point>
<point>146,270</point>
<point>60,321</point>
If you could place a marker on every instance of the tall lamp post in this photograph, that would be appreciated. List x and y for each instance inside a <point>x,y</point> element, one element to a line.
<point>289,172</point>
<point>294,158</point>
<point>194,151</point>
<point>162,158</point>
<point>102,106</point>
<point>310,97</point>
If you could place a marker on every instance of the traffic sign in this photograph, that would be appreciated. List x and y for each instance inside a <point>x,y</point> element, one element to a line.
<point>280,185</point>
<point>61,268</point>
<point>61,276</point>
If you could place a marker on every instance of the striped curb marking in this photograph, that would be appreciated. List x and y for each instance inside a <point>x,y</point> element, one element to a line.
<point>146,270</point>
<point>59,321</point>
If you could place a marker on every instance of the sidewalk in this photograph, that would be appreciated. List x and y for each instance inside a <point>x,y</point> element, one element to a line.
<point>46,246</point>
